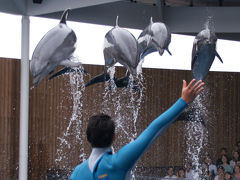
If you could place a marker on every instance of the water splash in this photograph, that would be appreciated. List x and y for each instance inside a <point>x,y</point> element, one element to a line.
<point>109,91</point>
<point>124,105</point>
<point>73,133</point>
<point>135,101</point>
<point>196,134</point>
<point>135,104</point>
<point>209,24</point>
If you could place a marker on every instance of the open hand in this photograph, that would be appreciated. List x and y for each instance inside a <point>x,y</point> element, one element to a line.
<point>190,91</point>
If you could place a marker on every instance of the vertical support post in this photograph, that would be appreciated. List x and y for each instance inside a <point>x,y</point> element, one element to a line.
<point>24,101</point>
<point>160,5</point>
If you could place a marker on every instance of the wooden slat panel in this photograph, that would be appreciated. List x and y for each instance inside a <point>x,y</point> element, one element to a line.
<point>51,106</point>
<point>9,115</point>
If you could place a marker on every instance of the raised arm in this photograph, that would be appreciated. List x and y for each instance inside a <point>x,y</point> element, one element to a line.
<point>127,156</point>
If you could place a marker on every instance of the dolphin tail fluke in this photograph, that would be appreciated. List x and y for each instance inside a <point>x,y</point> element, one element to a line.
<point>218,56</point>
<point>67,70</point>
<point>169,52</point>
<point>100,78</point>
<point>64,16</point>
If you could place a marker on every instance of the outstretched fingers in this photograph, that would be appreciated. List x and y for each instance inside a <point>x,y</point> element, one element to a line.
<point>191,83</point>
<point>198,87</point>
<point>190,91</point>
<point>199,91</point>
<point>197,84</point>
<point>184,84</point>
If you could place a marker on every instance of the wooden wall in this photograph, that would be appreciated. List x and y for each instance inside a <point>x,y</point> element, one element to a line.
<point>9,117</point>
<point>54,133</point>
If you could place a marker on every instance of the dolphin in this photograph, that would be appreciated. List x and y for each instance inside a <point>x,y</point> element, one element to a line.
<point>155,37</point>
<point>203,53</point>
<point>54,49</point>
<point>122,47</point>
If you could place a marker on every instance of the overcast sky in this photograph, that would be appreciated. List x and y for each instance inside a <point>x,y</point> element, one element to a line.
<point>90,44</point>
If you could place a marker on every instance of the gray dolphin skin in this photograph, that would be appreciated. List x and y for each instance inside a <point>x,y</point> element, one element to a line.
<point>203,53</point>
<point>54,49</point>
<point>122,47</point>
<point>155,37</point>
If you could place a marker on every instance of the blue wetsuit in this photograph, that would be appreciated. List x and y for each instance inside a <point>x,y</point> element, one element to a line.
<point>103,165</point>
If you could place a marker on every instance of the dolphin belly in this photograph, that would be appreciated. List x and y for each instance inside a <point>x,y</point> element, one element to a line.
<point>203,62</point>
<point>125,48</point>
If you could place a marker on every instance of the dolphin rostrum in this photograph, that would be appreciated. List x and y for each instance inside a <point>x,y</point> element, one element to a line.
<point>55,48</point>
<point>155,37</point>
<point>122,47</point>
<point>203,53</point>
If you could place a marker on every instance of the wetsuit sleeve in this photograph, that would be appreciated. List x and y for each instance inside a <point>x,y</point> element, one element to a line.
<point>127,156</point>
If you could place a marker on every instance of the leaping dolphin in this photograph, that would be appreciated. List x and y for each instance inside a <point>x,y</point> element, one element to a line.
<point>119,46</point>
<point>155,37</point>
<point>55,48</point>
<point>203,53</point>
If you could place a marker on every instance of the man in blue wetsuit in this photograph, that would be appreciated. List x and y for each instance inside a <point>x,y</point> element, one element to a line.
<point>105,165</point>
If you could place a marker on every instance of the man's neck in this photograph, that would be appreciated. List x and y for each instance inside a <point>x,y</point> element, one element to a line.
<point>95,155</point>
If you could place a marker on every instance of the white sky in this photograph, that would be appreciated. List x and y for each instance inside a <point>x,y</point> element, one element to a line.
<point>90,44</point>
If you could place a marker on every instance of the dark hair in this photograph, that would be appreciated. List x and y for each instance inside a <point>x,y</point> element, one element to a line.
<point>224,149</point>
<point>100,130</point>
<point>226,158</point>
<point>235,167</point>
<point>227,172</point>
<point>170,167</point>
<point>238,155</point>
<point>208,156</point>
<point>220,167</point>
<point>181,169</point>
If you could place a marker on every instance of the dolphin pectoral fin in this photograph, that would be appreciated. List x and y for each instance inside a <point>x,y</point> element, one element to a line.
<point>168,51</point>
<point>50,72</point>
<point>147,51</point>
<point>61,72</point>
<point>218,56</point>
<point>67,70</point>
<point>100,78</point>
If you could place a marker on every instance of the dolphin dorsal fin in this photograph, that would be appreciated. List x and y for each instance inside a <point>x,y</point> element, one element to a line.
<point>64,16</point>
<point>116,21</point>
